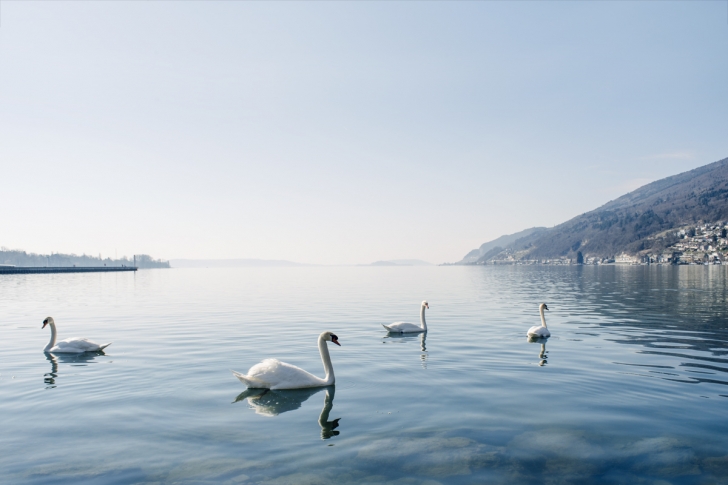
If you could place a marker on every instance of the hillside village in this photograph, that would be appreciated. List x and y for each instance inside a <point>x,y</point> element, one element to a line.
<point>701,244</point>
<point>680,219</point>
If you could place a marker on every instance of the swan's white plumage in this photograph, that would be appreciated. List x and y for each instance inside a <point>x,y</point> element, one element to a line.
<point>77,345</point>
<point>540,331</point>
<point>73,345</point>
<point>406,327</point>
<point>403,327</point>
<point>274,374</point>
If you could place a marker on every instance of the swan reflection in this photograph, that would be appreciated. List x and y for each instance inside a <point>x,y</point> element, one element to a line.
<point>267,402</point>
<point>49,378</point>
<point>392,338</point>
<point>543,354</point>
<point>328,428</point>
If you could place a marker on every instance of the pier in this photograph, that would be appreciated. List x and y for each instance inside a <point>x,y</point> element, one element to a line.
<point>63,269</point>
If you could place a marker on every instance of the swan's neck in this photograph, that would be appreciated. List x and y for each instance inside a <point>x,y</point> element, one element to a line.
<point>326,359</point>
<point>423,324</point>
<point>543,319</point>
<point>53,338</point>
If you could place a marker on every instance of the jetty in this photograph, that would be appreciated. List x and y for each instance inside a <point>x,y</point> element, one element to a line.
<point>7,269</point>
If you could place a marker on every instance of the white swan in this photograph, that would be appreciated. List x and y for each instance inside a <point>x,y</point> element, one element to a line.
<point>274,374</point>
<point>540,331</point>
<point>404,327</point>
<point>74,345</point>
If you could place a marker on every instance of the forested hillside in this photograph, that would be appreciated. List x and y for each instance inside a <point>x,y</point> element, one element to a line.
<point>637,222</point>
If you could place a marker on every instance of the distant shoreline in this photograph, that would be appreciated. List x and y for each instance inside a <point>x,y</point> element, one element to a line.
<point>63,269</point>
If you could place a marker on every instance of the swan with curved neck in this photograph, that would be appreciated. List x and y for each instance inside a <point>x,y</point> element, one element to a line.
<point>405,327</point>
<point>274,374</point>
<point>540,331</point>
<point>74,345</point>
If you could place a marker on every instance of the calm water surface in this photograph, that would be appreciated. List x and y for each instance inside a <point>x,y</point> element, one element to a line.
<point>631,388</point>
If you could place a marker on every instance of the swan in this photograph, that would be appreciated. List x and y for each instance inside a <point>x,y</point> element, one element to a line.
<point>274,374</point>
<point>540,331</point>
<point>75,345</point>
<point>404,327</point>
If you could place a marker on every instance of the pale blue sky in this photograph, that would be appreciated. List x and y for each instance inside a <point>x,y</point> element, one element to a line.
<point>343,132</point>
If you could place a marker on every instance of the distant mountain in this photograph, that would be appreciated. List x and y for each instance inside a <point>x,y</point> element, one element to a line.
<point>635,223</point>
<point>499,244</point>
<point>401,262</point>
<point>229,263</point>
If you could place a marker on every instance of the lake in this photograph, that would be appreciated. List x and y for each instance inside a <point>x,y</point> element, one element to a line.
<point>630,388</point>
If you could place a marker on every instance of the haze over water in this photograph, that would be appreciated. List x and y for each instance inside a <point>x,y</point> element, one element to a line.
<point>631,388</point>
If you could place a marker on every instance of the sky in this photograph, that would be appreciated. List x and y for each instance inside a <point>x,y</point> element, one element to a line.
<point>342,132</point>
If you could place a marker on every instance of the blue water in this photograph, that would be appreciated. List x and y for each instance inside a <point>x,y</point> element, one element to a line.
<point>631,387</point>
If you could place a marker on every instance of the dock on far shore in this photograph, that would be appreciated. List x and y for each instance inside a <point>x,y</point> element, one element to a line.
<point>7,269</point>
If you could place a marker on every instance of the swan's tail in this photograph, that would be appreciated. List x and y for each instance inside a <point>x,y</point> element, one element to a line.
<point>388,329</point>
<point>249,381</point>
<point>102,347</point>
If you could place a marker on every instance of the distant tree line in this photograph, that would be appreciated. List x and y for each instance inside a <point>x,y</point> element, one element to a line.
<point>17,257</point>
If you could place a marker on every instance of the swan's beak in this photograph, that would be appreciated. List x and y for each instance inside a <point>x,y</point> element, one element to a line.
<point>336,341</point>
<point>44,324</point>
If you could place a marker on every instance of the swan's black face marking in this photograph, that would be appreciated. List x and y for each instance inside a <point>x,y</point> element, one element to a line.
<point>335,339</point>
<point>45,322</point>
<point>545,307</point>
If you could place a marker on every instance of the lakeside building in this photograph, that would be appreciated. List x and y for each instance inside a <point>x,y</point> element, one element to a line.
<point>695,244</point>
<point>626,259</point>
